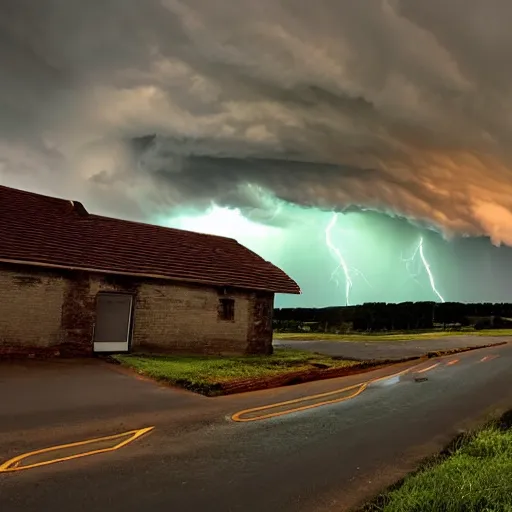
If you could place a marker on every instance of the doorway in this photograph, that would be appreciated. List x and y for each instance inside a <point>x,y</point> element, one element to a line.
<point>112,330</point>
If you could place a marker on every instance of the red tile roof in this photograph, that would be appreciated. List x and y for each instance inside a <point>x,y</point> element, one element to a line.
<point>55,232</point>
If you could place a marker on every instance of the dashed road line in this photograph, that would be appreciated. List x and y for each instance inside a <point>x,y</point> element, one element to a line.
<point>428,368</point>
<point>489,358</point>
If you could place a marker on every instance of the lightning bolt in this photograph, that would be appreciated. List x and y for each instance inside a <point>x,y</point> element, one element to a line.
<point>342,264</point>
<point>408,262</point>
<point>426,265</point>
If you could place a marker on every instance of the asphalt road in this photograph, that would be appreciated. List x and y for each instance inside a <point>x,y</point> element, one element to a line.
<point>389,350</point>
<point>326,458</point>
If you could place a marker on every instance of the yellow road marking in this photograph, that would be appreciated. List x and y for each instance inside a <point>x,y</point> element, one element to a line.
<point>358,387</point>
<point>13,464</point>
<point>455,361</point>
<point>428,368</point>
<point>237,416</point>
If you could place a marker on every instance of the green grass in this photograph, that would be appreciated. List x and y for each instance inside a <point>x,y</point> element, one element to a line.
<point>398,336</point>
<point>476,477</point>
<point>206,374</point>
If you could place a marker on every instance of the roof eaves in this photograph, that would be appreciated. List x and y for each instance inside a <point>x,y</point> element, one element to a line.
<point>279,289</point>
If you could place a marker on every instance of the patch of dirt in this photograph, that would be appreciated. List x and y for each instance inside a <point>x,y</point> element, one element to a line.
<point>320,365</point>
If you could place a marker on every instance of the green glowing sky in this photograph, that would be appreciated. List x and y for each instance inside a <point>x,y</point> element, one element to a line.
<point>377,250</point>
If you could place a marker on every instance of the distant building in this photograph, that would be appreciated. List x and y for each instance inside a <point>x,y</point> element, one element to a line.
<point>73,283</point>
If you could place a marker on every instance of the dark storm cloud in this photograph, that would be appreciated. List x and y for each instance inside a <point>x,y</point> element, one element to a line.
<point>397,106</point>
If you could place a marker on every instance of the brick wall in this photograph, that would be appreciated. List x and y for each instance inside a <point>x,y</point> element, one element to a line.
<point>30,311</point>
<point>259,339</point>
<point>176,317</point>
<point>185,318</point>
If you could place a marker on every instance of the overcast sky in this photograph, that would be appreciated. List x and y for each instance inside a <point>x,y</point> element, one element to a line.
<point>137,106</point>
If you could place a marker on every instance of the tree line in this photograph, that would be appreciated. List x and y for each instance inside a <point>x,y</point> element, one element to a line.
<point>381,316</point>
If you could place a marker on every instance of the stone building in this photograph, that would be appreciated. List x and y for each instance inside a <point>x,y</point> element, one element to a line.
<point>74,283</point>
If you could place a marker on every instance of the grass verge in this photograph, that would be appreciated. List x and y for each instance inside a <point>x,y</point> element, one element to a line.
<point>473,474</point>
<point>399,336</point>
<point>212,375</point>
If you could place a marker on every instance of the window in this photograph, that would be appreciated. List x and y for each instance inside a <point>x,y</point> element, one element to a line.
<point>227,309</point>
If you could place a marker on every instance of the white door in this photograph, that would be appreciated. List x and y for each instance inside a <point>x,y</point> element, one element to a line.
<point>113,317</point>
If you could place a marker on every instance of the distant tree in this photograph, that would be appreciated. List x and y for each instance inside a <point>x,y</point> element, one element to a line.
<point>379,316</point>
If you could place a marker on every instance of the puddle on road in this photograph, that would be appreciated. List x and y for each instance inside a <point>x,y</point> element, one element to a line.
<point>386,382</point>
<point>310,402</point>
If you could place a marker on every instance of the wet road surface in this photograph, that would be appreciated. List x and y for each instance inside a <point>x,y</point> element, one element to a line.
<point>325,458</point>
